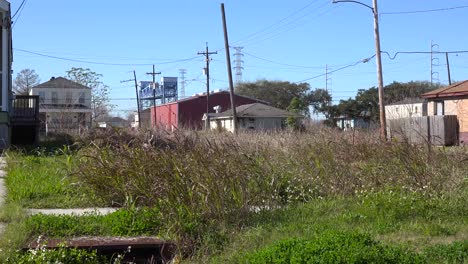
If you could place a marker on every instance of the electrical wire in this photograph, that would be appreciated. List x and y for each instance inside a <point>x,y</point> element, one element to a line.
<point>16,12</point>
<point>339,69</point>
<point>423,11</point>
<point>20,9</point>
<point>106,63</point>
<point>421,52</point>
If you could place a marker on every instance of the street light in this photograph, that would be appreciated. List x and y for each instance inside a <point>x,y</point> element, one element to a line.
<point>383,131</point>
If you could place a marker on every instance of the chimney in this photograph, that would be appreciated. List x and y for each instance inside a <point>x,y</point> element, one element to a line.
<point>53,78</point>
<point>217,109</point>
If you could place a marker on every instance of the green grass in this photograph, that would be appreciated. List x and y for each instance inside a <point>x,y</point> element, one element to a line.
<point>38,181</point>
<point>396,219</point>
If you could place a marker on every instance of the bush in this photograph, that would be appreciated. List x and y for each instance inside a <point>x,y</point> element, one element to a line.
<point>60,255</point>
<point>331,247</point>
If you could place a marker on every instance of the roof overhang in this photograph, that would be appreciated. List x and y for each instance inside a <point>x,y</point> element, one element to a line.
<point>445,95</point>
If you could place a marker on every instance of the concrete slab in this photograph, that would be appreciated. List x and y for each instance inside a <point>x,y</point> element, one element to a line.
<point>2,191</point>
<point>74,211</point>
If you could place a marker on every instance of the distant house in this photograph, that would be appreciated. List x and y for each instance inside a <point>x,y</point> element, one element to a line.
<point>256,116</point>
<point>64,106</point>
<point>114,122</point>
<point>346,123</point>
<point>451,100</point>
<point>410,107</point>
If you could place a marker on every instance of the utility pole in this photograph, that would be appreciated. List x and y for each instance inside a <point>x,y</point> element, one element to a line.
<point>207,54</point>
<point>137,97</point>
<point>229,70</point>
<point>448,68</point>
<point>154,73</point>
<point>383,125</point>
<point>378,58</point>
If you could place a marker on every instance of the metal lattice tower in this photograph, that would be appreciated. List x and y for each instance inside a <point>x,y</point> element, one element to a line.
<point>182,73</point>
<point>238,62</point>
<point>328,79</point>
<point>434,63</point>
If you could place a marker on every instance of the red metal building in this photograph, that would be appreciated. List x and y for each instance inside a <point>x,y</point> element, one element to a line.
<point>188,113</point>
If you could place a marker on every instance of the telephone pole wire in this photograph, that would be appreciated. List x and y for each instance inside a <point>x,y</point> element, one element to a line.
<point>207,54</point>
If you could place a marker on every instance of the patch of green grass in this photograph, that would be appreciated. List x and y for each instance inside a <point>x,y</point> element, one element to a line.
<point>142,221</point>
<point>44,182</point>
<point>395,218</point>
<point>331,247</point>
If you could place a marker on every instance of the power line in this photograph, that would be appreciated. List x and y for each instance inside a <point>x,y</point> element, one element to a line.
<point>16,12</point>
<point>423,11</point>
<point>104,63</point>
<point>421,52</point>
<point>339,69</point>
<point>20,9</point>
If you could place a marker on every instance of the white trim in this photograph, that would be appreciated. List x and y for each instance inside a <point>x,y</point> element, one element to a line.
<point>5,70</point>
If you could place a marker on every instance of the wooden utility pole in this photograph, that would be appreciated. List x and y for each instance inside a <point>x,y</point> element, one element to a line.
<point>207,54</point>
<point>378,57</point>
<point>154,73</point>
<point>229,70</point>
<point>137,97</point>
<point>448,68</point>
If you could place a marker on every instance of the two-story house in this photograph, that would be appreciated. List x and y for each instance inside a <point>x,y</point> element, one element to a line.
<point>64,106</point>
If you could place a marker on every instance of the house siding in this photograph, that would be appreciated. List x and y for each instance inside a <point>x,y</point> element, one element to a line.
<point>405,110</point>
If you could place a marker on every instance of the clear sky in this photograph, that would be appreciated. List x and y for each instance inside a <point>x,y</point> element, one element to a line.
<point>282,40</point>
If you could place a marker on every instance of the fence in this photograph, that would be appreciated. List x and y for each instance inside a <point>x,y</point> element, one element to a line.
<point>25,120</point>
<point>437,130</point>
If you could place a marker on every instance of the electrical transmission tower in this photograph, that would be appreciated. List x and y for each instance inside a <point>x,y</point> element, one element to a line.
<point>327,79</point>
<point>182,73</point>
<point>238,64</point>
<point>434,63</point>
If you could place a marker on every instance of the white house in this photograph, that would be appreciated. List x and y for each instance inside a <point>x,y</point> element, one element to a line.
<point>411,107</point>
<point>64,106</point>
<point>254,116</point>
<point>6,60</point>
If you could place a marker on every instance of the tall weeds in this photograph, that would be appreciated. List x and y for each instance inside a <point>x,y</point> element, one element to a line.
<point>202,182</point>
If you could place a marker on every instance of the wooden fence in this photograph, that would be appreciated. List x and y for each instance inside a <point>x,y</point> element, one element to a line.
<point>437,130</point>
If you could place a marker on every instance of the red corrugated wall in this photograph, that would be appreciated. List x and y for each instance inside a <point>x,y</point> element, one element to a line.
<point>166,116</point>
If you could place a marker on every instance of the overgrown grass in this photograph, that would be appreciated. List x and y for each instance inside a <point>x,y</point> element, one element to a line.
<point>207,183</point>
<point>42,181</point>
<point>220,196</point>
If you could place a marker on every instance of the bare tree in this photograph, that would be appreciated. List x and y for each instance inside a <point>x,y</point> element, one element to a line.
<point>25,80</point>
<point>100,104</point>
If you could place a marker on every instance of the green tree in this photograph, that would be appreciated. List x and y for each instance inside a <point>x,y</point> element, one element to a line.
<point>25,80</point>
<point>277,93</point>
<point>296,106</point>
<point>100,103</point>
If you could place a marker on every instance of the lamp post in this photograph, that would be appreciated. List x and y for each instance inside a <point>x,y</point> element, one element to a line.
<point>383,128</point>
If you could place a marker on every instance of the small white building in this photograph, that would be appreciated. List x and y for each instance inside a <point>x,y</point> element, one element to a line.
<point>254,116</point>
<point>64,106</point>
<point>411,107</point>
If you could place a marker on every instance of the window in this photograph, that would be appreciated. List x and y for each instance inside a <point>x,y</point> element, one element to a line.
<point>68,97</point>
<point>41,97</point>
<point>54,98</point>
<point>439,108</point>
<point>81,100</point>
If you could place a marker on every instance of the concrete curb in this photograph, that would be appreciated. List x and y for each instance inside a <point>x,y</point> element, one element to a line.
<point>73,211</point>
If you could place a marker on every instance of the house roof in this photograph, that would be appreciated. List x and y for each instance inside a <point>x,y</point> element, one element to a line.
<point>256,110</point>
<point>213,93</point>
<point>457,89</point>
<point>61,82</point>
<point>411,100</point>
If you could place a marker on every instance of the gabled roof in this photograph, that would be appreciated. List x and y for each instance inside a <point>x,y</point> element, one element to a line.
<point>256,110</point>
<point>61,82</point>
<point>203,95</point>
<point>458,89</point>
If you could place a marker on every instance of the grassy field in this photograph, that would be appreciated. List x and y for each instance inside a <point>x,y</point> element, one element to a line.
<point>401,203</point>
<point>39,180</point>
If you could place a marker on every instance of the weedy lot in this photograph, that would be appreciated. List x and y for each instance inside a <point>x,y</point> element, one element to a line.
<point>319,196</point>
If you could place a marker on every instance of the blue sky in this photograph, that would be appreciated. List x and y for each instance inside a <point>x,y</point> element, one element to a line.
<point>282,40</point>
